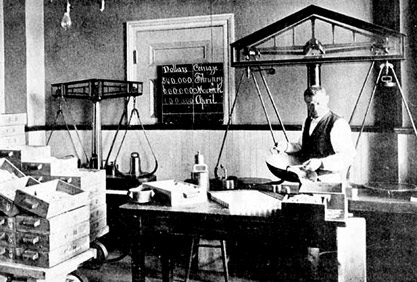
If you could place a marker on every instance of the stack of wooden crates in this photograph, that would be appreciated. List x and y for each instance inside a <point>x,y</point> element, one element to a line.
<point>12,129</point>
<point>52,210</point>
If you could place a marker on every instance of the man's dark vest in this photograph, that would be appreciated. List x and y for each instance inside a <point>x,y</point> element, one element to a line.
<point>318,144</point>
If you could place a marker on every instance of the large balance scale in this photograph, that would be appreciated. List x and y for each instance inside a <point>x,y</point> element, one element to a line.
<point>260,52</point>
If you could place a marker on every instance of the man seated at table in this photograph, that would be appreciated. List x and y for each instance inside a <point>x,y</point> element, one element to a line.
<point>325,145</point>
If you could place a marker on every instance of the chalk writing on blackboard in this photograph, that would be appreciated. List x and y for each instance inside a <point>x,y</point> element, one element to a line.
<point>191,93</point>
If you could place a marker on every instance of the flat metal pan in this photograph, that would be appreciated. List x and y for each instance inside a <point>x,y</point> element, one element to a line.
<point>278,163</point>
<point>391,190</point>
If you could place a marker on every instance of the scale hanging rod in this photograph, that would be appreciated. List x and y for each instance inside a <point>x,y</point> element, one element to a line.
<point>263,107</point>
<point>122,117</point>
<point>273,104</point>
<point>403,98</point>
<point>360,93</point>
<point>229,121</point>
<point>367,108</point>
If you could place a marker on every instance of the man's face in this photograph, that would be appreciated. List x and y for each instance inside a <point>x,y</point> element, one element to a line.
<point>317,105</point>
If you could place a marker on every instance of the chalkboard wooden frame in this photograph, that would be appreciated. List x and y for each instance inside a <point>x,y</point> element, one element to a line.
<point>191,94</point>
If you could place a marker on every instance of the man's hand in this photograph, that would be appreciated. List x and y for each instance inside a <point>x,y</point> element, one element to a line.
<point>281,146</point>
<point>313,164</point>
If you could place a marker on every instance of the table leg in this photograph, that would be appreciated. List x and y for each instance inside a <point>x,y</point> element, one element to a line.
<point>351,250</point>
<point>167,267</point>
<point>138,254</point>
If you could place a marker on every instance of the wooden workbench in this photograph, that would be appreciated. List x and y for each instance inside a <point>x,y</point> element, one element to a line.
<point>210,220</point>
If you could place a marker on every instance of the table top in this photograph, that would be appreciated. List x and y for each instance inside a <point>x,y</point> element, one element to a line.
<point>361,203</point>
<point>369,203</point>
<point>214,220</point>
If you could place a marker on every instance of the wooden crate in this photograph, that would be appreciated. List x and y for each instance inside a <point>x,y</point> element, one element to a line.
<point>70,249</point>
<point>7,253</point>
<point>53,240</point>
<point>7,223</point>
<point>98,228</point>
<point>10,168</point>
<point>24,153</point>
<point>12,130</point>
<point>11,179</point>
<point>12,119</point>
<point>97,212</point>
<point>57,273</point>
<point>7,238</point>
<point>87,180</point>
<point>51,166</point>
<point>12,155</point>
<point>8,193</point>
<point>94,183</point>
<point>34,224</point>
<point>15,140</point>
<point>50,198</point>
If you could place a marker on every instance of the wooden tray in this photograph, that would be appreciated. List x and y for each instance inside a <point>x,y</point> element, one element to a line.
<point>51,241</point>
<point>50,198</point>
<point>27,256</point>
<point>35,224</point>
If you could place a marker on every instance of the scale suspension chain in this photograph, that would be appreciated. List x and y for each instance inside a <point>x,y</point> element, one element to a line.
<point>134,111</point>
<point>273,104</point>
<point>229,121</point>
<point>59,113</point>
<point>263,107</point>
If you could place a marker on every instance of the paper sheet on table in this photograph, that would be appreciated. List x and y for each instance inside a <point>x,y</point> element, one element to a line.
<point>246,202</point>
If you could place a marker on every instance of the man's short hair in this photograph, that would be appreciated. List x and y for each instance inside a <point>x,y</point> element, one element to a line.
<point>314,90</point>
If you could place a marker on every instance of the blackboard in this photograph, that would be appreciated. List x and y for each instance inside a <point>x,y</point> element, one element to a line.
<point>191,94</point>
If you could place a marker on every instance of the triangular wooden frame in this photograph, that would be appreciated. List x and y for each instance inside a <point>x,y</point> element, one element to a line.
<point>264,46</point>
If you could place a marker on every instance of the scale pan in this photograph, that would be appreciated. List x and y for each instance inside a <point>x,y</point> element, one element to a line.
<point>278,163</point>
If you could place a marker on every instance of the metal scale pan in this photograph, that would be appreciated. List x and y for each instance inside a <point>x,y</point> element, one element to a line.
<point>402,191</point>
<point>278,163</point>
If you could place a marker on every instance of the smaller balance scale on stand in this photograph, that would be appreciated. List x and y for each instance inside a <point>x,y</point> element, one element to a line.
<point>96,90</point>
